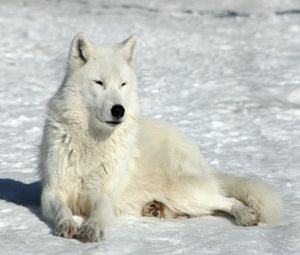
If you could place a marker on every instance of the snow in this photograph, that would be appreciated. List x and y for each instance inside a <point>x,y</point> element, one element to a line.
<point>294,96</point>
<point>227,74</point>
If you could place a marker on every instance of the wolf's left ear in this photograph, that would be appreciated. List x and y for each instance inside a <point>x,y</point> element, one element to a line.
<point>128,50</point>
<point>81,50</point>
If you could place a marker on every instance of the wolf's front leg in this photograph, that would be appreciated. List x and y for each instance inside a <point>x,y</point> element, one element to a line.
<point>55,210</point>
<point>102,214</point>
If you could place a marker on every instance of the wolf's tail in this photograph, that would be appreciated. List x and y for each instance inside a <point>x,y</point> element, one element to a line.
<point>254,193</point>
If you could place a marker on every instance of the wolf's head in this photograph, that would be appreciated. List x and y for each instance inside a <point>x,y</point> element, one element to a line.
<point>106,80</point>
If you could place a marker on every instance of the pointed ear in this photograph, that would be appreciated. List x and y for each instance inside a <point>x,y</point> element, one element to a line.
<point>128,50</point>
<point>81,50</point>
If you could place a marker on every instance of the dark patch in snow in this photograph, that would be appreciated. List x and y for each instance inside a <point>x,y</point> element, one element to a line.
<point>232,14</point>
<point>287,12</point>
<point>217,14</point>
<point>131,7</point>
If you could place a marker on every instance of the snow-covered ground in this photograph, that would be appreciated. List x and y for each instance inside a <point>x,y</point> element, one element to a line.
<point>227,73</point>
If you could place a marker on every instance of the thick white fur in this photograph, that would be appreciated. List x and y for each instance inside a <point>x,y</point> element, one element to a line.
<point>99,171</point>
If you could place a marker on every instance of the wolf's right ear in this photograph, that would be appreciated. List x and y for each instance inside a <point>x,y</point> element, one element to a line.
<point>81,50</point>
<point>128,50</point>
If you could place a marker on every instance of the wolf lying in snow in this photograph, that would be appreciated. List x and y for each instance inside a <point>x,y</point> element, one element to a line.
<point>99,159</point>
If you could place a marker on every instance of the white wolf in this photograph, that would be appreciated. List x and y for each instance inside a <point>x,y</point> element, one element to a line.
<point>99,159</point>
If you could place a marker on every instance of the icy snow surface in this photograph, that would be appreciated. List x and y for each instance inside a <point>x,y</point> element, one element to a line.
<point>227,73</point>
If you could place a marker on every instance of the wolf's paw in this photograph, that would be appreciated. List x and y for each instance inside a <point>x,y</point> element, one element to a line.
<point>154,209</point>
<point>91,232</point>
<point>246,216</point>
<point>67,228</point>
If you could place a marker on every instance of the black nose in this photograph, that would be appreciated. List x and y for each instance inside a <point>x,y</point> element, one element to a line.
<point>117,111</point>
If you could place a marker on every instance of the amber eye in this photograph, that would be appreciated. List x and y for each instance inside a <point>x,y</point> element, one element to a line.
<point>99,83</point>
<point>123,84</point>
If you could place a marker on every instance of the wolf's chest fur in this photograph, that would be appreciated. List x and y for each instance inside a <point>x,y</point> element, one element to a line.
<point>93,167</point>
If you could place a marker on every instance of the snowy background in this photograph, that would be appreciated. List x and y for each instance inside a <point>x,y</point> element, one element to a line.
<point>227,73</point>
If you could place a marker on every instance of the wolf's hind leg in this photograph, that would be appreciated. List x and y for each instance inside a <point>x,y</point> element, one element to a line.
<point>244,215</point>
<point>154,209</point>
<point>55,210</point>
<point>160,210</point>
<point>201,196</point>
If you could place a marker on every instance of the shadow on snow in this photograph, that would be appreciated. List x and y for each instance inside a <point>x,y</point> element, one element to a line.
<point>23,194</point>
